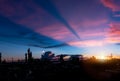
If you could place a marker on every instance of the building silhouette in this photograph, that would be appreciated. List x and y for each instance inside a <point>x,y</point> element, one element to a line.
<point>26,58</point>
<point>48,55</point>
<point>61,58</point>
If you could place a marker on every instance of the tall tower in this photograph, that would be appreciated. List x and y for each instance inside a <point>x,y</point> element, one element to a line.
<point>0,57</point>
<point>29,55</point>
<point>26,58</point>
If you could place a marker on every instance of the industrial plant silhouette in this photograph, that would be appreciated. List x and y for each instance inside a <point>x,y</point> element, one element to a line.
<point>51,67</point>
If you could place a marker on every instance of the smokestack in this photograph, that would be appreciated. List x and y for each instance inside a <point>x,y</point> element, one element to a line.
<point>26,57</point>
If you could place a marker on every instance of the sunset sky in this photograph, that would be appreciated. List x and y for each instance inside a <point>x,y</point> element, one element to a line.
<point>88,27</point>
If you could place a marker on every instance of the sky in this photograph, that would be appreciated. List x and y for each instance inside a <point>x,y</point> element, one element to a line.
<point>88,27</point>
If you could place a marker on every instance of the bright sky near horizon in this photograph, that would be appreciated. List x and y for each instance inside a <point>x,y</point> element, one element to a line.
<point>88,27</point>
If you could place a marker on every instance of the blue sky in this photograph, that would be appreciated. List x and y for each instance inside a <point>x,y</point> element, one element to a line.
<point>88,27</point>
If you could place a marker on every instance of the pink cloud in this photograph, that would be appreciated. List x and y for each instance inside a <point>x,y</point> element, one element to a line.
<point>111,36</point>
<point>114,29</point>
<point>93,33</point>
<point>93,23</point>
<point>87,43</point>
<point>89,23</point>
<point>90,28</point>
<point>113,40</point>
<point>111,4</point>
<point>113,33</point>
<point>57,31</point>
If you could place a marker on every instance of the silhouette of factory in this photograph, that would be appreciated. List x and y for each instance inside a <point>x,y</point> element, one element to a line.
<point>49,56</point>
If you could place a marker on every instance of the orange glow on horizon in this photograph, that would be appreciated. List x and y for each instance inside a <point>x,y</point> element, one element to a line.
<point>102,57</point>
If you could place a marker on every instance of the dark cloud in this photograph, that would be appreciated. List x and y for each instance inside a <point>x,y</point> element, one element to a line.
<point>117,43</point>
<point>60,45</point>
<point>18,34</point>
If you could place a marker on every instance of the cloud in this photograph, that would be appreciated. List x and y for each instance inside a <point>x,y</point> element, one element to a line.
<point>87,43</point>
<point>88,34</point>
<point>40,10</point>
<point>16,9</point>
<point>90,24</point>
<point>91,28</point>
<point>118,44</point>
<point>94,23</point>
<point>114,29</point>
<point>51,8</point>
<point>57,31</point>
<point>111,4</point>
<point>18,34</point>
<point>54,22</point>
<point>110,35</point>
<point>117,15</point>
<point>60,45</point>
<point>113,33</point>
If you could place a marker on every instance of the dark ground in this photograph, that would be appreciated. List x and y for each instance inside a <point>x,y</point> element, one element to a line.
<point>87,70</point>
